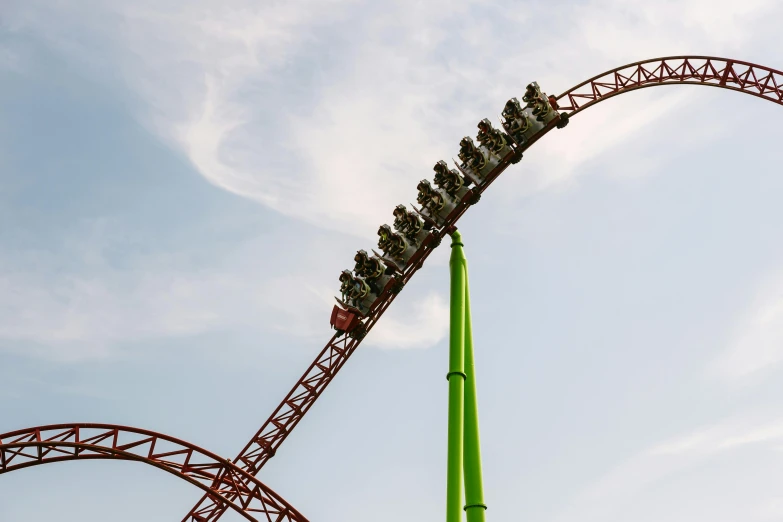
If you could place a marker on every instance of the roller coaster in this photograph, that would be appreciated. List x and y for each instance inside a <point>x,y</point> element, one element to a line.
<point>369,290</point>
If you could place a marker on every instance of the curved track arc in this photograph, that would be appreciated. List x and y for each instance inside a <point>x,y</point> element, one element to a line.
<point>736,75</point>
<point>712,71</point>
<point>223,482</point>
<point>233,484</point>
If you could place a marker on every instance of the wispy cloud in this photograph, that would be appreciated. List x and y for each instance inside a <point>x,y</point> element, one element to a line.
<point>420,324</point>
<point>757,342</point>
<point>728,435</point>
<point>9,60</point>
<point>331,111</point>
<point>621,485</point>
<point>91,308</point>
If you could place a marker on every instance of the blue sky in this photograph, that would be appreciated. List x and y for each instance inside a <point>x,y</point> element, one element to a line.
<point>182,182</point>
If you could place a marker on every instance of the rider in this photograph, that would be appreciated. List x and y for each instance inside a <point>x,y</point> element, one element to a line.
<point>391,243</point>
<point>353,289</point>
<point>368,267</point>
<point>470,155</point>
<point>401,219</point>
<point>448,180</point>
<point>346,283</point>
<point>429,198</point>
<point>490,137</point>
<point>532,91</point>
<point>537,101</point>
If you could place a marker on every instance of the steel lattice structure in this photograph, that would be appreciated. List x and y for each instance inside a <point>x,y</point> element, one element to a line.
<point>701,70</point>
<point>735,75</point>
<point>226,484</point>
<point>233,484</point>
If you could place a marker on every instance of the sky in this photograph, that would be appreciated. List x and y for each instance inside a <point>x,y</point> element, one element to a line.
<point>181,183</point>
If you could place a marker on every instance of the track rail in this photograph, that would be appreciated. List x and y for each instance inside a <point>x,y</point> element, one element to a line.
<point>735,75</point>
<point>225,484</point>
<point>232,485</point>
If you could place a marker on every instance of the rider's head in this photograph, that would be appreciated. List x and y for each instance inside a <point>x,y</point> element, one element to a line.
<point>384,231</point>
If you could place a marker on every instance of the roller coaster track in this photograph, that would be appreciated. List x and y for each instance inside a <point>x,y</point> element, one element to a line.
<point>700,70</point>
<point>232,485</point>
<point>224,483</point>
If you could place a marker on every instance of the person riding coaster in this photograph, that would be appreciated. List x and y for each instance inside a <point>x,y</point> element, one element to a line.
<point>512,109</point>
<point>400,219</point>
<point>353,289</point>
<point>429,198</point>
<point>392,244</point>
<point>540,108</point>
<point>447,179</point>
<point>490,137</point>
<point>372,269</point>
<point>532,91</point>
<point>517,121</point>
<point>407,223</point>
<point>368,267</point>
<point>470,155</point>
<point>537,101</point>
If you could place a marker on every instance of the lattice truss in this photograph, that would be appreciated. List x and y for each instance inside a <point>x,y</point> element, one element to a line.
<point>736,75</point>
<point>731,74</point>
<point>232,485</point>
<point>227,485</point>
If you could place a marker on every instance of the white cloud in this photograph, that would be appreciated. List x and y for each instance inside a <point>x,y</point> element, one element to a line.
<point>728,435</point>
<point>757,341</point>
<point>331,111</point>
<point>9,60</point>
<point>72,302</point>
<point>625,483</point>
<point>421,324</point>
<point>772,509</point>
<point>73,316</point>
<point>88,316</point>
<point>355,129</point>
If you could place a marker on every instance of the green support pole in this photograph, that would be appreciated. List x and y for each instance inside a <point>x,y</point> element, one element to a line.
<point>474,489</point>
<point>456,378</point>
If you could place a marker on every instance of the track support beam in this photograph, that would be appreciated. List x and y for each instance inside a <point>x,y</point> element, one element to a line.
<point>464,454</point>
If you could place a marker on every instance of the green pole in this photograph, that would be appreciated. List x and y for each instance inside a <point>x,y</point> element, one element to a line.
<point>456,378</point>
<point>474,489</point>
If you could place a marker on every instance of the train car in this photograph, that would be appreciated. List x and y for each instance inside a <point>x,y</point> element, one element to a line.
<point>356,293</point>
<point>436,204</point>
<point>345,320</point>
<point>522,123</point>
<point>373,270</point>
<point>479,161</point>
<point>451,181</point>
<point>397,250</point>
<point>411,225</point>
<point>492,140</point>
<point>414,232</point>
<point>370,281</point>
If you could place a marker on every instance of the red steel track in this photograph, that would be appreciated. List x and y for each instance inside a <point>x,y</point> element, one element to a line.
<point>736,75</point>
<point>226,485</point>
<point>233,485</point>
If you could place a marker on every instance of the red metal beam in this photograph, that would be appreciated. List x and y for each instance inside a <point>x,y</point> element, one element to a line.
<point>735,75</point>
<point>224,483</point>
<point>711,71</point>
<point>233,485</point>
